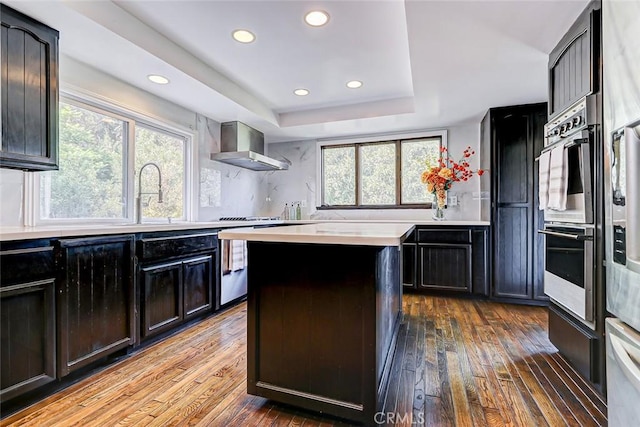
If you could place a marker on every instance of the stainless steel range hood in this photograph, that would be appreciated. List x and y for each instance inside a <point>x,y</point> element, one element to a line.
<point>243,146</point>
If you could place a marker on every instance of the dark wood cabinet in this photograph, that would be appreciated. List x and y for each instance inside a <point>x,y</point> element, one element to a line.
<point>177,276</point>
<point>29,58</point>
<point>444,255</point>
<point>445,266</point>
<point>162,305</point>
<point>409,260</point>
<point>452,258</point>
<point>514,136</point>
<point>95,299</point>
<point>574,68</point>
<point>27,319</point>
<point>174,292</point>
<point>198,286</point>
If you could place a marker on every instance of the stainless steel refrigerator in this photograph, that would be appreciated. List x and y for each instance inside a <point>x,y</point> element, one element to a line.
<point>621,78</point>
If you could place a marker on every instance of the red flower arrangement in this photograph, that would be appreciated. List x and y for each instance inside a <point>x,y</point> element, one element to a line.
<point>440,178</point>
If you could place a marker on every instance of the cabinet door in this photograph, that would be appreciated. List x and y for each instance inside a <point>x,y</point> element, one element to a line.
<point>517,264</point>
<point>95,300</point>
<point>445,266</point>
<point>29,58</point>
<point>514,198</point>
<point>162,299</point>
<point>27,337</point>
<point>574,63</point>
<point>198,286</point>
<point>409,251</point>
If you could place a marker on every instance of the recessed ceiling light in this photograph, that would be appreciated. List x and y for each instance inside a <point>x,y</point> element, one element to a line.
<point>156,78</point>
<point>243,36</point>
<point>316,18</point>
<point>301,92</point>
<point>354,84</point>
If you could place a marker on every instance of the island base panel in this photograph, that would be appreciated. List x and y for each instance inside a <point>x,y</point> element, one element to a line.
<point>322,322</point>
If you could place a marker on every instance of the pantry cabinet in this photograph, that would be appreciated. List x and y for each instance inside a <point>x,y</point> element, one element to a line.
<point>513,137</point>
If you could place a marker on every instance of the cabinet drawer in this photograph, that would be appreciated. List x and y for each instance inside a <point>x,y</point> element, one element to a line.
<point>444,236</point>
<point>172,246</point>
<point>26,264</point>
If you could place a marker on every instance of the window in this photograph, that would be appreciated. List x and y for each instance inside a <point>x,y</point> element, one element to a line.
<point>378,174</point>
<point>168,152</point>
<point>91,180</point>
<point>101,153</point>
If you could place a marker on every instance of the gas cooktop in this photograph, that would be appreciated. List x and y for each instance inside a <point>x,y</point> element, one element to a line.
<point>249,218</point>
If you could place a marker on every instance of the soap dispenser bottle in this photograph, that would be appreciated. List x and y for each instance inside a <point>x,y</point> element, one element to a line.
<point>298,211</point>
<point>292,212</point>
<point>285,213</point>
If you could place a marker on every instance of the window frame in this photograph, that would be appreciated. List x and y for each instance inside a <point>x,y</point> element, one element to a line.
<point>131,118</point>
<point>397,139</point>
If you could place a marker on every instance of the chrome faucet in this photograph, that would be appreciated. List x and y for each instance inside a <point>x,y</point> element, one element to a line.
<point>140,193</point>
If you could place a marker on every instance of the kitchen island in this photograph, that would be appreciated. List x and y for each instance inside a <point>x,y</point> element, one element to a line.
<point>324,307</point>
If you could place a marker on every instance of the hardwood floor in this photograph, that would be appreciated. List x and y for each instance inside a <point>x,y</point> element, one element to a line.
<point>459,363</point>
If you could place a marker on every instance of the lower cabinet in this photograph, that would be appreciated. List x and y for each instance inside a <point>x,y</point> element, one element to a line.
<point>162,306</point>
<point>450,258</point>
<point>65,304</point>
<point>409,259</point>
<point>95,299</point>
<point>198,286</point>
<point>27,348</point>
<point>445,266</point>
<point>27,317</point>
<point>174,292</point>
<point>177,277</point>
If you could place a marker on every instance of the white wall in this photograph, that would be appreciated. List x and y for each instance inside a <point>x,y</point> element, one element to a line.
<point>11,197</point>
<point>300,182</point>
<point>242,192</point>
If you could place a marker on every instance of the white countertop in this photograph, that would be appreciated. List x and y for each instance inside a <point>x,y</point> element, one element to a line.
<point>74,230</point>
<point>336,233</point>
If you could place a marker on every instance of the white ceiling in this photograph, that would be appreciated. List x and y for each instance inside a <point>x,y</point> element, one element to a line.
<point>424,64</point>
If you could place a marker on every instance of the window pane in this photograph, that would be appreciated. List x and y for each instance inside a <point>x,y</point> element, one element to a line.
<point>89,183</point>
<point>417,155</point>
<point>339,175</point>
<point>378,174</point>
<point>167,151</point>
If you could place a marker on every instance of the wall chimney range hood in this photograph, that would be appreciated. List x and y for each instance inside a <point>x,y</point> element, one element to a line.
<point>243,146</point>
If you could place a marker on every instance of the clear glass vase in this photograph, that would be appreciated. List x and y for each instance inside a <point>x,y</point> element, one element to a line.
<point>438,213</point>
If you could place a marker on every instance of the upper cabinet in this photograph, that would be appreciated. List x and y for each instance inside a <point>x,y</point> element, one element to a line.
<point>574,63</point>
<point>29,93</point>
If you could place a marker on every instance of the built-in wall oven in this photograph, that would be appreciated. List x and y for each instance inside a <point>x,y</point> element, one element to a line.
<point>568,275</point>
<point>569,230</point>
<point>572,133</point>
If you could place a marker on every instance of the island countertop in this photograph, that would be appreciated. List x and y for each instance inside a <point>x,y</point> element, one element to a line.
<point>362,234</point>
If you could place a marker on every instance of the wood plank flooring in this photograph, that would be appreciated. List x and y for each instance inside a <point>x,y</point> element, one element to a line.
<point>459,363</point>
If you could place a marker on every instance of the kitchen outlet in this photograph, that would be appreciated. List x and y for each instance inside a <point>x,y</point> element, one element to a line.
<point>452,201</point>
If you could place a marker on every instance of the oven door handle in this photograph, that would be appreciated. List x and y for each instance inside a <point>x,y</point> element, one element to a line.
<point>577,141</point>
<point>566,235</point>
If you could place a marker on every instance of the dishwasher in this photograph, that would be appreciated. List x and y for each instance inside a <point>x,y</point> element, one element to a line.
<point>233,271</point>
